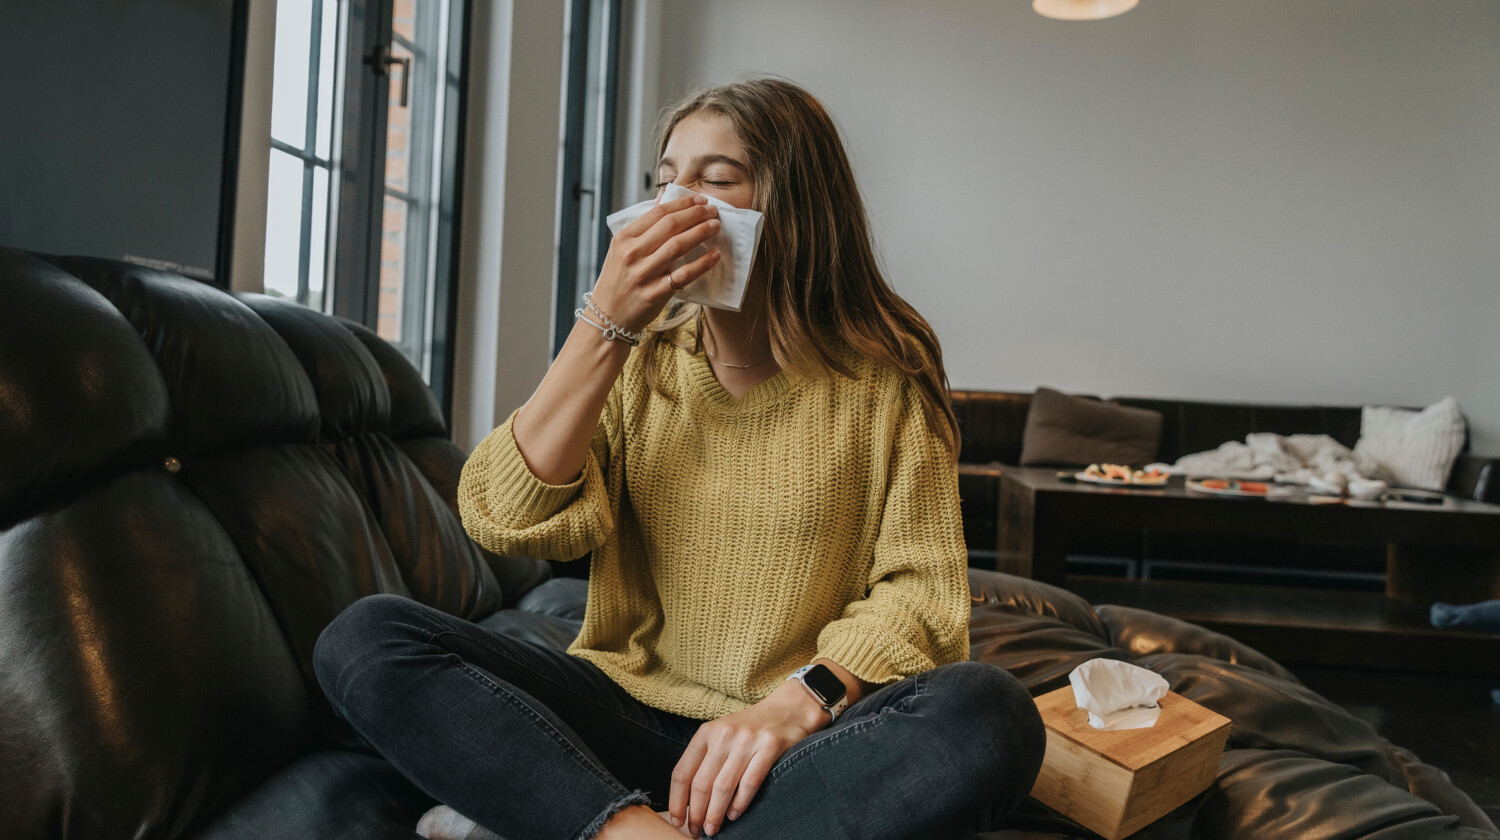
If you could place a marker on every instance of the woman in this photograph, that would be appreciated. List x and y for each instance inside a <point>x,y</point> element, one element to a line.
<point>775,642</point>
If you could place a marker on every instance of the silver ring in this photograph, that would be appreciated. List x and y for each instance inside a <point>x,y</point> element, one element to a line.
<point>673,282</point>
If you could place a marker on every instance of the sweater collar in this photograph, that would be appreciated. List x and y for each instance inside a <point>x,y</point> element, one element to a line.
<point>700,376</point>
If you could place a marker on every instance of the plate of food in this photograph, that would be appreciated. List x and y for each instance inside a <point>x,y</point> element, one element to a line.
<point>1230,487</point>
<point>1119,475</point>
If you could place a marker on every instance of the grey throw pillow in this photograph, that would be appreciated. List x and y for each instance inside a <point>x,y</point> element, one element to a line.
<point>1068,430</point>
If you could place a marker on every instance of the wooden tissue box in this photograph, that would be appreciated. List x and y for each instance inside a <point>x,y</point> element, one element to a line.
<point>1116,783</point>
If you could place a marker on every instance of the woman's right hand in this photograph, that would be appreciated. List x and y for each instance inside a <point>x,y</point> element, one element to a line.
<point>638,279</point>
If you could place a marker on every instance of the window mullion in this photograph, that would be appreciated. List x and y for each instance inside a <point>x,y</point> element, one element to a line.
<point>300,154</point>
<point>304,250</point>
<point>604,170</point>
<point>310,133</point>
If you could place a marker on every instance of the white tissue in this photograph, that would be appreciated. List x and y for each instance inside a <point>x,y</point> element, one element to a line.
<point>1329,483</point>
<point>1117,695</point>
<point>723,286</point>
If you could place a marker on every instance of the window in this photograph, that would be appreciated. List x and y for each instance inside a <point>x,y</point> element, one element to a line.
<point>302,142</point>
<point>410,209</point>
<point>365,131</point>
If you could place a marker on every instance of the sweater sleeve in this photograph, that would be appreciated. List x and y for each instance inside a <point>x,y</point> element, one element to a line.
<point>508,510</point>
<point>915,615</point>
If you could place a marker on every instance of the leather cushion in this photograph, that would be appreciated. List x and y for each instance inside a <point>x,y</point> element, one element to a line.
<point>1433,785</point>
<point>349,384</point>
<point>79,394</point>
<point>439,563</point>
<point>538,628</point>
<point>305,533</point>
<point>1040,652</point>
<point>144,683</point>
<point>441,462</point>
<point>232,380</point>
<point>561,597</point>
<point>326,795</point>
<point>1270,713</point>
<point>1036,598</point>
<point>1142,632</point>
<point>414,409</point>
<point>1068,430</point>
<point>1284,793</point>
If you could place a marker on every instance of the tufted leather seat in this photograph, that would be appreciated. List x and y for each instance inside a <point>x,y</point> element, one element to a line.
<point>1296,765</point>
<point>192,484</point>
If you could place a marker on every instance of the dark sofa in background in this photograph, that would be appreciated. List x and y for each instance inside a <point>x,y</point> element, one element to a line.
<point>993,425</point>
<point>192,484</point>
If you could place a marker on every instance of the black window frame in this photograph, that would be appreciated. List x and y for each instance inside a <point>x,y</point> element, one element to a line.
<point>580,68</point>
<point>309,157</point>
<point>357,181</point>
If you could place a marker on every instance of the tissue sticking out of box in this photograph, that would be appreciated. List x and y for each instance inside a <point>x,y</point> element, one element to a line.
<point>1117,695</point>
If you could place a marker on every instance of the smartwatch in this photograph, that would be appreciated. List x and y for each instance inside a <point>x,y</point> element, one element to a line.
<point>825,687</point>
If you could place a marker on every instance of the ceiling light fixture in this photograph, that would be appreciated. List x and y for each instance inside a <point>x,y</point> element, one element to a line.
<point>1082,9</point>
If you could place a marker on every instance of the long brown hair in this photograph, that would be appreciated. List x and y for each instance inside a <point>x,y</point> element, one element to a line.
<point>823,282</point>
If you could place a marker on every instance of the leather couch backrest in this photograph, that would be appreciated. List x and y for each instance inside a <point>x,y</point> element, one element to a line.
<point>990,424</point>
<point>993,426</point>
<point>993,423</point>
<point>1189,427</point>
<point>192,484</point>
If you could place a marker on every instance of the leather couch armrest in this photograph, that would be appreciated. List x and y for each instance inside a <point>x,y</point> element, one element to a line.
<point>1476,477</point>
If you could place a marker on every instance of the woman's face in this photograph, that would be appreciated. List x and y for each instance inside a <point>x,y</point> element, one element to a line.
<point>704,156</point>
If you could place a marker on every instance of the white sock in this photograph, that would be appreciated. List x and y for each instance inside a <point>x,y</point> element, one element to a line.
<point>444,823</point>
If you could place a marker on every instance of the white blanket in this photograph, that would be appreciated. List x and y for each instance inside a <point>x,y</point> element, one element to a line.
<point>1293,459</point>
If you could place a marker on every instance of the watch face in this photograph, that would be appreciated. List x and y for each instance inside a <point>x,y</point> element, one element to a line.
<point>827,686</point>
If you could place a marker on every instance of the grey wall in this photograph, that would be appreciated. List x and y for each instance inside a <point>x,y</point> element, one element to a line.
<point>1277,200</point>
<point>112,138</point>
<point>508,245</point>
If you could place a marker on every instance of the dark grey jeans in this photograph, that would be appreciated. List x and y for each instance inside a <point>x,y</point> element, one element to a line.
<point>535,744</point>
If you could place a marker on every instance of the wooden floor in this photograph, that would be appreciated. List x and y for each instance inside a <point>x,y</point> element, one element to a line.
<point>1312,627</point>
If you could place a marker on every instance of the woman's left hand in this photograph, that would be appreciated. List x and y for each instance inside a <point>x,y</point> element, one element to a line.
<point>728,759</point>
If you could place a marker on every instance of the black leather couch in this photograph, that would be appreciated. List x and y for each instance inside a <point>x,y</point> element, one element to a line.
<point>192,484</point>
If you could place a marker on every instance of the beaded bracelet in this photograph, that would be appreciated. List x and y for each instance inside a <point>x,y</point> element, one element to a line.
<point>610,328</point>
<point>610,333</point>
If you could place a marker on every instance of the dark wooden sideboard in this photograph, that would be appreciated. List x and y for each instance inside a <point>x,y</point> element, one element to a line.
<point>1445,552</point>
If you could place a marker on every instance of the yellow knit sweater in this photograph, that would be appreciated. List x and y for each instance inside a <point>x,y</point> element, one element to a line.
<point>736,540</point>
